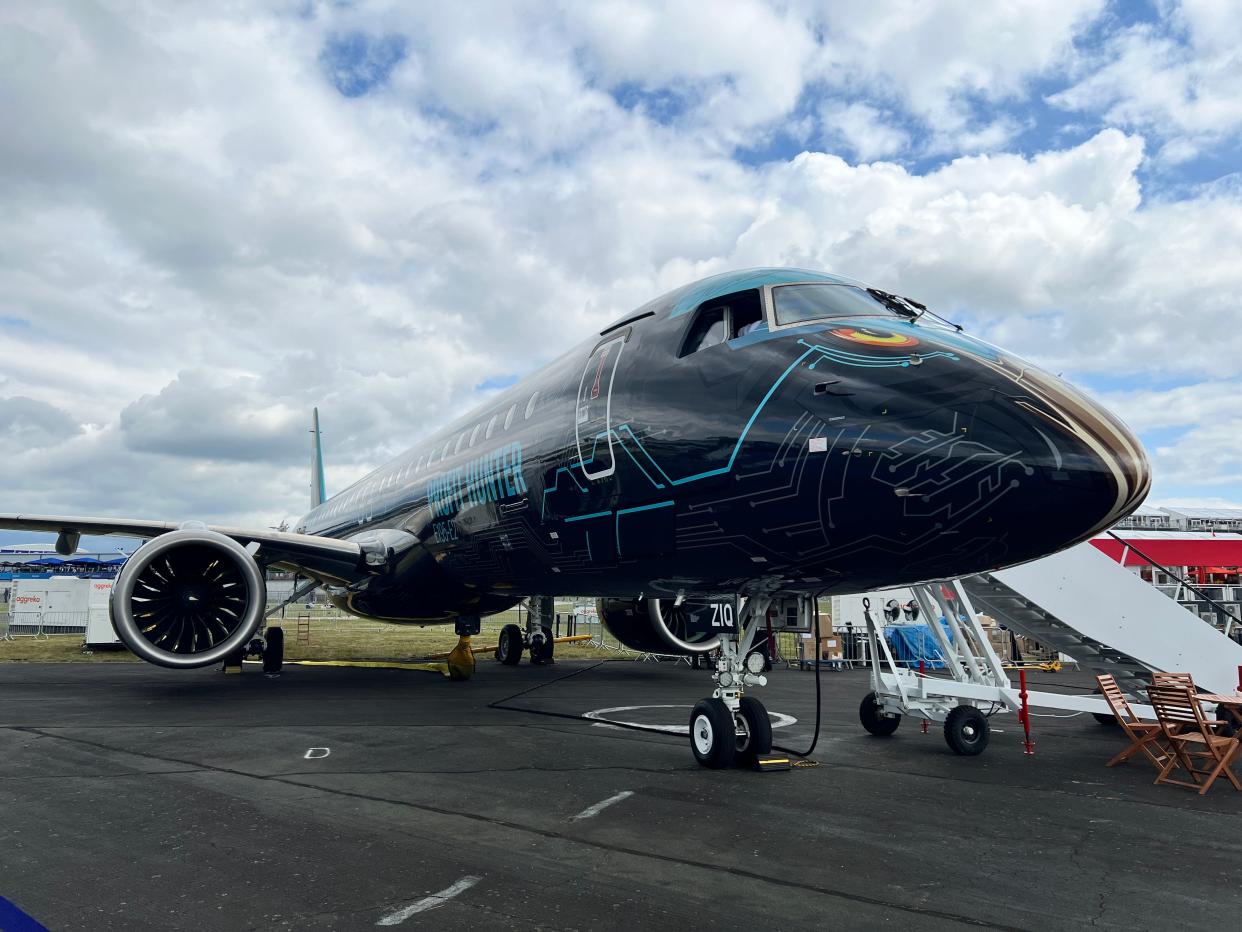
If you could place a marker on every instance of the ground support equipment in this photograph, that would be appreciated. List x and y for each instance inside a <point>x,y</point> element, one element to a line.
<point>974,685</point>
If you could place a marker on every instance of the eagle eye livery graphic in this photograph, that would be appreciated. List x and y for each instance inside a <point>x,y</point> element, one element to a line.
<point>754,436</point>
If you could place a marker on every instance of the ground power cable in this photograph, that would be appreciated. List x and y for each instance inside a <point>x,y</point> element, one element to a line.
<point>503,705</point>
<point>819,703</point>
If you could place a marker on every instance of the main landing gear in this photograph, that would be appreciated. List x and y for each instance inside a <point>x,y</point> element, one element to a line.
<point>268,647</point>
<point>513,641</point>
<point>729,728</point>
<point>538,638</point>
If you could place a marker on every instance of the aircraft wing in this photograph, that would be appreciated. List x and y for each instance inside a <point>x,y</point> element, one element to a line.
<point>342,560</point>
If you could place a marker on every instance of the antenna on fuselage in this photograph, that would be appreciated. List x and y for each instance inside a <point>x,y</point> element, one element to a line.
<point>317,493</point>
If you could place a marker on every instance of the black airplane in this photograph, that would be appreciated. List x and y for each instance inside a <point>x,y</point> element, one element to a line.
<point>746,440</point>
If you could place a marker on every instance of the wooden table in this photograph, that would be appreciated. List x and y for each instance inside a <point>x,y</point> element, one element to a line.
<point>1230,702</point>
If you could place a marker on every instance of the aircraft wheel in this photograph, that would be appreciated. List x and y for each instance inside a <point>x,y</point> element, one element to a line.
<point>756,728</point>
<point>509,647</point>
<point>966,731</point>
<point>541,649</point>
<point>876,720</point>
<point>713,736</point>
<point>274,651</point>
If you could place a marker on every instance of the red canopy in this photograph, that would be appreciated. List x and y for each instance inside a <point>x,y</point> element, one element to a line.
<point>1174,549</point>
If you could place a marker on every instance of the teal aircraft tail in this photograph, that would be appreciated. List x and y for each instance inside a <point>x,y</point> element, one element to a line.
<point>317,493</point>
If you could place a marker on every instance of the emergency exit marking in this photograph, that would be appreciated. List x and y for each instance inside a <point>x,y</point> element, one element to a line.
<point>316,753</point>
<point>819,444</point>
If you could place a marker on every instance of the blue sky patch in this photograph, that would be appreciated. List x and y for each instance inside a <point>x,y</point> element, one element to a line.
<point>495,382</point>
<point>356,63</point>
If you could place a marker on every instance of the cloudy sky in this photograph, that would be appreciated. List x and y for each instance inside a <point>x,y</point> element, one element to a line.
<point>215,216</point>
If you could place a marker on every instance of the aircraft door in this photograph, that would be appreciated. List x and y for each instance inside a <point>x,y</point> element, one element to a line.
<point>593,417</point>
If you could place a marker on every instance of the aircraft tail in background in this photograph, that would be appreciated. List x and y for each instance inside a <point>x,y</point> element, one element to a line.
<point>317,493</point>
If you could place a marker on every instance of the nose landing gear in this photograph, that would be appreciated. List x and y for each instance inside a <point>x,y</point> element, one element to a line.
<point>729,728</point>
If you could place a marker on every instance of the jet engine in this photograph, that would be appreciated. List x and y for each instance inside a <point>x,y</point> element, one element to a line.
<point>188,598</point>
<point>658,626</point>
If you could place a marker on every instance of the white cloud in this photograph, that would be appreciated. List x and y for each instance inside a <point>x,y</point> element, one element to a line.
<point>939,60</point>
<point>1176,78</point>
<point>867,131</point>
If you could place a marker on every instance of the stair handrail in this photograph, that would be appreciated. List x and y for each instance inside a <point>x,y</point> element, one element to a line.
<point>1185,582</point>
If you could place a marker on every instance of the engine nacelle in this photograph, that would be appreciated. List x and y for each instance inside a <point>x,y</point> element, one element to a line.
<point>657,626</point>
<point>188,598</point>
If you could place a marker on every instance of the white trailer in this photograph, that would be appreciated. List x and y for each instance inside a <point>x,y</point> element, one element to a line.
<point>57,605</point>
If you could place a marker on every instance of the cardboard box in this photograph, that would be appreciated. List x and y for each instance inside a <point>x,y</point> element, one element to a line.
<point>830,648</point>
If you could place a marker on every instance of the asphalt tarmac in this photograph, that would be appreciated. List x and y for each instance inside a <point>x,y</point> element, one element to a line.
<point>327,798</point>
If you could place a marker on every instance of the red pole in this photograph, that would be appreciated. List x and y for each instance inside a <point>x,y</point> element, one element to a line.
<point>1025,714</point>
<point>921,674</point>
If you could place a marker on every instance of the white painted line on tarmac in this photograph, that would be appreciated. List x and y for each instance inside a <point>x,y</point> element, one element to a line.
<point>429,902</point>
<point>591,812</point>
<point>315,753</point>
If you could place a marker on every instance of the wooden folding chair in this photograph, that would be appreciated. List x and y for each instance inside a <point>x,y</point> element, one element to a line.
<point>1192,739</point>
<point>1173,679</point>
<point>1147,737</point>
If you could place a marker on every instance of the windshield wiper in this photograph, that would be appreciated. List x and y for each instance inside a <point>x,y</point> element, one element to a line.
<point>908,307</point>
<point>903,306</point>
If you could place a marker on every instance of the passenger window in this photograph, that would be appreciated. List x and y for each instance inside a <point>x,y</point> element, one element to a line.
<point>709,329</point>
<point>530,405</point>
<point>491,427</point>
<point>509,416</point>
<point>474,434</point>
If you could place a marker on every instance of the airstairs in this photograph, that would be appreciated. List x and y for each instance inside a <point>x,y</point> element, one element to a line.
<point>1082,603</point>
<point>1078,602</point>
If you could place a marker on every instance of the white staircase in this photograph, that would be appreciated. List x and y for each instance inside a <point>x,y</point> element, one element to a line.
<point>1081,603</point>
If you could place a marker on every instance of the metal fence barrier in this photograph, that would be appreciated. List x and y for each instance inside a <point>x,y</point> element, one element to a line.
<point>45,624</point>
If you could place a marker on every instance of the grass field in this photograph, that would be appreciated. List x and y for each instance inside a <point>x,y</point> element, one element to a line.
<point>320,635</point>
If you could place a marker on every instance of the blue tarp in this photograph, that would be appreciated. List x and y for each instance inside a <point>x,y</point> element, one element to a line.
<point>912,643</point>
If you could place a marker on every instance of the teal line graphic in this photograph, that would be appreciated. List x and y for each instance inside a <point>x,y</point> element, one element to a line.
<point>630,511</point>
<point>868,362</point>
<point>596,514</point>
<point>745,430</point>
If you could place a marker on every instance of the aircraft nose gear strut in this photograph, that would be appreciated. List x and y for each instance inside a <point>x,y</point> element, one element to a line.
<point>730,728</point>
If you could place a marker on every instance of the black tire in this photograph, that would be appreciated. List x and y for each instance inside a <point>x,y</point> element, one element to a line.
<point>876,720</point>
<point>757,726</point>
<point>274,650</point>
<point>1105,719</point>
<point>509,647</point>
<point>541,650</point>
<point>966,731</point>
<point>713,736</point>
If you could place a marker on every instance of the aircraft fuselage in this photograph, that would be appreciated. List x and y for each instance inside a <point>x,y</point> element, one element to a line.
<point>849,453</point>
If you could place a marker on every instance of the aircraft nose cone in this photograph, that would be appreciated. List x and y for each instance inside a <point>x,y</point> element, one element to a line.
<point>1089,451</point>
<point>1094,470</point>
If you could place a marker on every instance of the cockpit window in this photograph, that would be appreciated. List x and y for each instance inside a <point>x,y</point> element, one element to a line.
<point>725,318</point>
<point>796,304</point>
<point>709,329</point>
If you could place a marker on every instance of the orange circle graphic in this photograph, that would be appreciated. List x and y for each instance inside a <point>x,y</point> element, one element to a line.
<point>874,337</point>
